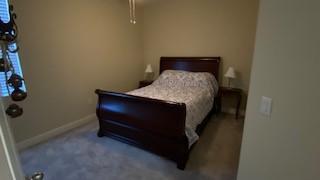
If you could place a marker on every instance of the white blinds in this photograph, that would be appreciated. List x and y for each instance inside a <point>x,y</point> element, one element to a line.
<point>4,15</point>
<point>4,10</point>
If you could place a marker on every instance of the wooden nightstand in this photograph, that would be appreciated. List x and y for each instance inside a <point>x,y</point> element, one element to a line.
<point>225,91</point>
<point>144,83</point>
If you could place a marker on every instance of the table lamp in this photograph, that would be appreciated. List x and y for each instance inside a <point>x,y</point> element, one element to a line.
<point>149,72</point>
<point>230,74</point>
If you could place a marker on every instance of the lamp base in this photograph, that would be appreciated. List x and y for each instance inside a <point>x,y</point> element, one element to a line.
<point>230,83</point>
<point>148,76</point>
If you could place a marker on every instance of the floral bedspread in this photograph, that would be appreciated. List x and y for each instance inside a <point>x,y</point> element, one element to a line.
<point>196,90</point>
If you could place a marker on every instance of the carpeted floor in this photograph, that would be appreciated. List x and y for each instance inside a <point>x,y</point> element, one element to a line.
<point>80,155</point>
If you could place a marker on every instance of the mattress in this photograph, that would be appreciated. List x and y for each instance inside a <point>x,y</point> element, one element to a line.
<point>196,90</point>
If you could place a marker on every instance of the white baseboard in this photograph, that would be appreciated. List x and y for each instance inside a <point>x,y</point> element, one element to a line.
<point>54,132</point>
<point>233,111</point>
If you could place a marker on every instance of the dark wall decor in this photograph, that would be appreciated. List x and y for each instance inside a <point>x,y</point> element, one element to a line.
<point>8,37</point>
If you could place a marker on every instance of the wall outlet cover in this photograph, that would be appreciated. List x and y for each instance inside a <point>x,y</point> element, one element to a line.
<point>266,106</point>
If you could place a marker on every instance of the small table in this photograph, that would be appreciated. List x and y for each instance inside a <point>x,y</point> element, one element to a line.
<point>145,83</point>
<point>225,91</point>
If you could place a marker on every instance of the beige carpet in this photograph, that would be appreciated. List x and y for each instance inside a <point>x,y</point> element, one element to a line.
<point>80,155</point>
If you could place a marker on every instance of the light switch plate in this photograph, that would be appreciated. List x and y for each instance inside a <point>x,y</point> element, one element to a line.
<point>266,106</point>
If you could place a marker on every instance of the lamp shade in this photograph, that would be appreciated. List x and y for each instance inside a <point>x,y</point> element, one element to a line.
<point>230,73</point>
<point>149,69</point>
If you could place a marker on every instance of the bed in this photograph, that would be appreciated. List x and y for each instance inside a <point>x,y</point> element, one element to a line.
<point>156,122</point>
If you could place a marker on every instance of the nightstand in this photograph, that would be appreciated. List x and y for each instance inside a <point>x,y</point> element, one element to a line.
<point>226,91</point>
<point>145,83</point>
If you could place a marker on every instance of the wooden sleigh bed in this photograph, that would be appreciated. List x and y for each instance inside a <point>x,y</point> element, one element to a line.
<point>154,125</point>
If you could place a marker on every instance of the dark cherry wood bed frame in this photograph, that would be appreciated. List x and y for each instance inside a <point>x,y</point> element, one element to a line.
<point>154,125</point>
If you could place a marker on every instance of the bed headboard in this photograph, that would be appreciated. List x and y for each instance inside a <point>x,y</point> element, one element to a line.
<point>193,64</point>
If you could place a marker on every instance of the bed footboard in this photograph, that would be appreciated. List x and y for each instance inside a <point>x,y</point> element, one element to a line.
<point>154,125</point>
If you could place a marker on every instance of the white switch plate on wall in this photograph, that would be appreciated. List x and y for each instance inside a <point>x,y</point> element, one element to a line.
<point>266,106</point>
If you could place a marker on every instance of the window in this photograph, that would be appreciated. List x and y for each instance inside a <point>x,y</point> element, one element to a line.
<point>14,57</point>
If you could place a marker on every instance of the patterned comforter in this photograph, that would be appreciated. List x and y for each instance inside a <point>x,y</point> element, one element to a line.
<point>196,90</point>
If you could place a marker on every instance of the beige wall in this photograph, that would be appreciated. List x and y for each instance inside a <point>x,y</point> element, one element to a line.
<point>69,48</point>
<point>202,28</point>
<point>286,67</point>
